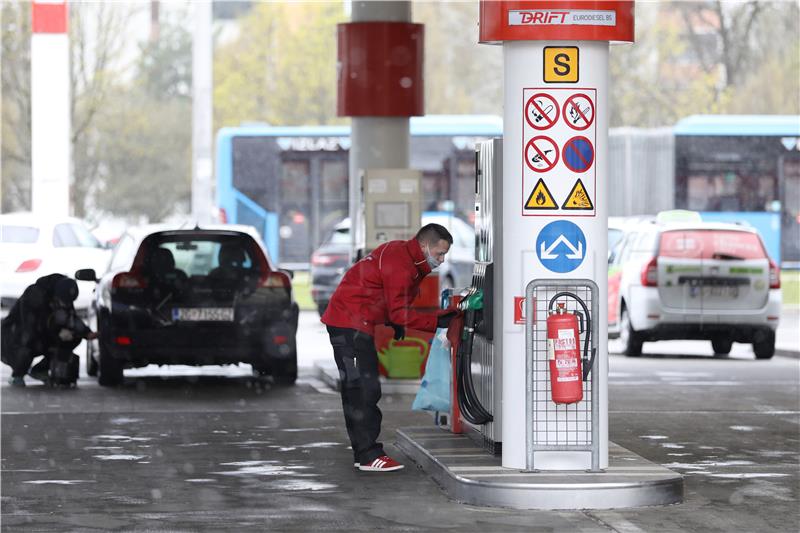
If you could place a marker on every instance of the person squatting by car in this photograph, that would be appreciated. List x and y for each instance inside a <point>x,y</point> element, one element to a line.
<point>378,290</point>
<point>43,321</point>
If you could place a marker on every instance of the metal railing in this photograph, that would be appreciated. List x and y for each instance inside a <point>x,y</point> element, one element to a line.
<point>551,426</point>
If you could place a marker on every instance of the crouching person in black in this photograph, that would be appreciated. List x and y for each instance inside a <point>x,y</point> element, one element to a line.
<point>43,322</point>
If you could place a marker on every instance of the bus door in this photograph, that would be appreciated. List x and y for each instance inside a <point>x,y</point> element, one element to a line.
<point>295,212</point>
<point>790,208</point>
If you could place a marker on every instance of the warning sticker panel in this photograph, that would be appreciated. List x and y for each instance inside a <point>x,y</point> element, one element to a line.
<point>559,131</point>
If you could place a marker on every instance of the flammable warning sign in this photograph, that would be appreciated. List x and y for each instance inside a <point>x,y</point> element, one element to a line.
<point>541,198</point>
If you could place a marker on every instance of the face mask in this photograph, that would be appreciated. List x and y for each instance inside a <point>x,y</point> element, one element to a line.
<point>432,262</point>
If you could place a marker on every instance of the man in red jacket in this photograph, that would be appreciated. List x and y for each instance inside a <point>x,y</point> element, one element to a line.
<point>379,290</point>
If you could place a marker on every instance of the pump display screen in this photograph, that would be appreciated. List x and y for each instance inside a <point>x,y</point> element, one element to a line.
<point>392,215</point>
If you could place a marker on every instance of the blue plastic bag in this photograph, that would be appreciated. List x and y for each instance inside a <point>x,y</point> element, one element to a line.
<point>434,391</point>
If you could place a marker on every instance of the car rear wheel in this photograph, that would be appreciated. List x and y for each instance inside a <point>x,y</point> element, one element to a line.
<point>722,345</point>
<point>631,340</point>
<point>764,344</point>
<point>91,361</point>
<point>110,369</point>
<point>285,373</point>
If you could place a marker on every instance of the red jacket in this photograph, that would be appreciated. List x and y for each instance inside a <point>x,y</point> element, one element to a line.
<point>380,288</point>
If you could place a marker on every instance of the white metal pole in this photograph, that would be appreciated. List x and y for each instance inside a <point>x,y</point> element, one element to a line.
<point>523,260</point>
<point>202,109</point>
<point>376,142</point>
<point>50,110</point>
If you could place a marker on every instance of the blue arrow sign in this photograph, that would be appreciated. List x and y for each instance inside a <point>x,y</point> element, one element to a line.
<point>561,246</point>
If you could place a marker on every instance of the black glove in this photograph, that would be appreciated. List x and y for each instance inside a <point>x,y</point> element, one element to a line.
<point>399,331</point>
<point>443,321</point>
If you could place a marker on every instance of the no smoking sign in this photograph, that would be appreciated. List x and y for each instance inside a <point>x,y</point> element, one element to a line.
<point>541,111</point>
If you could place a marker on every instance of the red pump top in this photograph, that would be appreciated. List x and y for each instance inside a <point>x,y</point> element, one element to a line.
<point>559,20</point>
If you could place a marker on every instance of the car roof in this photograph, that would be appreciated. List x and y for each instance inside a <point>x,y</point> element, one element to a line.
<point>140,232</point>
<point>653,225</point>
<point>37,219</point>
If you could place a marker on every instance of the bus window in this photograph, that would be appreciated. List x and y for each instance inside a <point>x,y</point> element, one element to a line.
<point>334,203</point>
<point>295,211</point>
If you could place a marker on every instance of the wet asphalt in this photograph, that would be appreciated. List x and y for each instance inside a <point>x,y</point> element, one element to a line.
<point>215,450</point>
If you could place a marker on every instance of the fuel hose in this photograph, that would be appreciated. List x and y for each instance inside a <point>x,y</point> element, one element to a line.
<point>470,405</point>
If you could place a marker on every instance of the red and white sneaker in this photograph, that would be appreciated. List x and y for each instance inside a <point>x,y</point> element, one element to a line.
<point>384,463</point>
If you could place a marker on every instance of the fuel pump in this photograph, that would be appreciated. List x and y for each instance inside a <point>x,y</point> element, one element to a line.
<point>391,208</point>
<point>563,349</point>
<point>478,359</point>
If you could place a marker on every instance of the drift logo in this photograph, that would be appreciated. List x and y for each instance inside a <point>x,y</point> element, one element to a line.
<point>542,17</point>
<point>561,17</point>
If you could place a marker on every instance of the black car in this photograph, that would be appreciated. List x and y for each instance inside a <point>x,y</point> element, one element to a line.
<point>194,297</point>
<point>328,264</point>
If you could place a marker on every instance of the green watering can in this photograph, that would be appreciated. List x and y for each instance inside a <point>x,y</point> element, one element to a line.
<point>402,360</point>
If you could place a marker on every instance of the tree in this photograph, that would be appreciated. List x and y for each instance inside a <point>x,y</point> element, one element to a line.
<point>15,72</point>
<point>282,67</point>
<point>96,32</point>
<point>706,57</point>
<point>142,138</point>
<point>96,36</point>
<point>461,75</point>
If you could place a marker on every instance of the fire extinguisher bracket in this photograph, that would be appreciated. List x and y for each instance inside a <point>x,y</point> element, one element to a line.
<point>562,395</point>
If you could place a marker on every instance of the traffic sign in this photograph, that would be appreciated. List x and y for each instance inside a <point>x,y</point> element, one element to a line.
<point>541,111</point>
<point>560,64</point>
<point>540,197</point>
<point>561,246</point>
<point>578,198</point>
<point>541,154</point>
<point>579,111</point>
<point>578,154</point>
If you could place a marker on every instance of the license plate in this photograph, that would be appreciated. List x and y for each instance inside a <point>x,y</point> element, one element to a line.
<point>203,314</point>
<point>721,291</point>
<point>716,291</point>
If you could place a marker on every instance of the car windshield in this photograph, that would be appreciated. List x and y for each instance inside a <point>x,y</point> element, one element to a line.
<point>711,244</point>
<point>200,256</point>
<point>18,234</point>
<point>84,237</point>
<point>614,236</point>
<point>340,236</point>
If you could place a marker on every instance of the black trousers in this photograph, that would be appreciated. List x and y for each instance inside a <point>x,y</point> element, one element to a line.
<point>357,361</point>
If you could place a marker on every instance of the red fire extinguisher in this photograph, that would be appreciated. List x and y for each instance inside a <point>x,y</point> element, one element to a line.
<point>563,352</point>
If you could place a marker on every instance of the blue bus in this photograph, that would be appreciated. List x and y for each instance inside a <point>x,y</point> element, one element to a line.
<point>743,168</point>
<point>292,182</point>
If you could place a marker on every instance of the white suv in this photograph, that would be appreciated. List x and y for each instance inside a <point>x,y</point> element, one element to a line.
<point>707,281</point>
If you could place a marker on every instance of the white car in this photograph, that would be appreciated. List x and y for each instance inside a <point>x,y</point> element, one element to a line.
<point>32,246</point>
<point>695,280</point>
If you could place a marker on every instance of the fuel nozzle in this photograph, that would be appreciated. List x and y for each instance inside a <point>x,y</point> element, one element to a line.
<point>473,301</point>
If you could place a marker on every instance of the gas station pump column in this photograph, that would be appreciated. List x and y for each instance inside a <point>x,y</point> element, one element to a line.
<point>379,85</point>
<point>554,207</point>
<point>50,108</point>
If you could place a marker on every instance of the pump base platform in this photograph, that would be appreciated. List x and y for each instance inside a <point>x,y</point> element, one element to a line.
<point>470,475</point>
